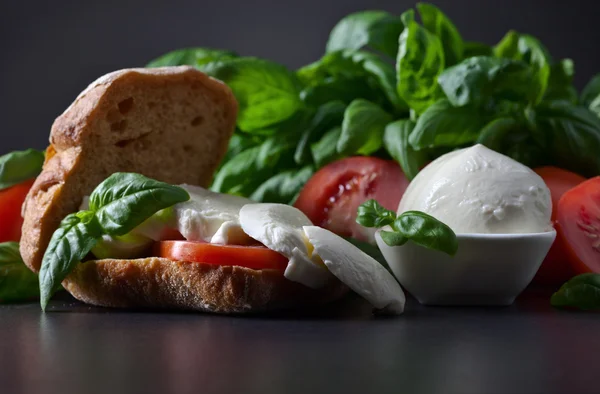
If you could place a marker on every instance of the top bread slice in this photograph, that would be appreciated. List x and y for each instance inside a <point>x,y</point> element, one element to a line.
<point>172,124</point>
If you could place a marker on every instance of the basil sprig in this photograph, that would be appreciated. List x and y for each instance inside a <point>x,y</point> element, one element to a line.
<point>19,166</point>
<point>582,292</point>
<point>415,226</point>
<point>118,205</point>
<point>17,282</point>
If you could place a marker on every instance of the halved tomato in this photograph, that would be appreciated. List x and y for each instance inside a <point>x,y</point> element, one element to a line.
<point>11,200</point>
<point>556,269</point>
<point>331,197</point>
<point>578,221</point>
<point>253,257</point>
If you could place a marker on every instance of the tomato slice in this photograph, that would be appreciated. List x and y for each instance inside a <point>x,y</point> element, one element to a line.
<point>331,197</point>
<point>555,269</point>
<point>11,200</point>
<point>578,222</point>
<point>253,257</point>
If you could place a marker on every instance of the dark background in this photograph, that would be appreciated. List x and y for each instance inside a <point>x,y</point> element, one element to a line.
<point>51,50</point>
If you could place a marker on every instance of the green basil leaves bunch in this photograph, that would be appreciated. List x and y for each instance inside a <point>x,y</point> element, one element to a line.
<point>517,101</point>
<point>406,87</point>
<point>17,282</point>
<point>119,204</point>
<point>415,226</point>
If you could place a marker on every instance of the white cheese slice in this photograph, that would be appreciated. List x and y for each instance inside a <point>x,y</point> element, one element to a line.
<point>209,216</point>
<point>357,270</point>
<point>279,228</point>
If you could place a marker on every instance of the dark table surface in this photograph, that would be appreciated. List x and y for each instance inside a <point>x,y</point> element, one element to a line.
<point>525,348</point>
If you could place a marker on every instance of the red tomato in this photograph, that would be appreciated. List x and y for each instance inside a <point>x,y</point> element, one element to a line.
<point>555,269</point>
<point>578,221</point>
<point>11,200</point>
<point>254,257</point>
<point>331,197</point>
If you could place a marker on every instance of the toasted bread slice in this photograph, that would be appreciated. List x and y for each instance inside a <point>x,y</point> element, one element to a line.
<point>172,124</point>
<point>162,283</point>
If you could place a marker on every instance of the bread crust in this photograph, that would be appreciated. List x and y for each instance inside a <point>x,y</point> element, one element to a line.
<point>162,283</point>
<point>104,131</point>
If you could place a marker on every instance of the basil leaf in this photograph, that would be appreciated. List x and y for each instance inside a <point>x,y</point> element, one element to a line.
<point>386,77</point>
<point>508,47</point>
<point>246,171</point>
<point>238,143</point>
<point>70,243</point>
<point>295,124</point>
<point>528,49</point>
<point>590,97</point>
<point>377,29</point>
<point>419,227</point>
<point>19,166</point>
<point>277,151</point>
<point>445,125</point>
<point>282,187</point>
<point>324,151</point>
<point>439,24</point>
<point>478,80</point>
<point>383,35</point>
<point>327,116</point>
<point>513,138</point>
<point>395,141</point>
<point>362,128</point>
<point>342,89</point>
<point>420,62</point>
<point>560,82</point>
<point>360,74</point>
<point>196,57</point>
<point>407,17</point>
<point>427,231</point>
<point>124,200</point>
<point>572,136</point>
<point>235,176</point>
<point>17,282</point>
<point>527,153</point>
<point>496,133</point>
<point>582,291</point>
<point>533,52</point>
<point>372,214</point>
<point>267,93</point>
<point>392,238</point>
<point>472,48</point>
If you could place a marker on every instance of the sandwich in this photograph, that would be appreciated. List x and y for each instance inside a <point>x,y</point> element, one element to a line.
<point>121,217</point>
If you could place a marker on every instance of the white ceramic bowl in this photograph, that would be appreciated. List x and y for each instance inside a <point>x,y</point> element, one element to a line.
<point>488,269</point>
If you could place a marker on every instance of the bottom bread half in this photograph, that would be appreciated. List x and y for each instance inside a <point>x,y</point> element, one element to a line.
<point>163,283</point>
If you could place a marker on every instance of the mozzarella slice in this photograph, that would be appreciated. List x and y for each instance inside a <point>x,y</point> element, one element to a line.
<point>357,270</point>
<point>279,228</point>
<point>209,216</point>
